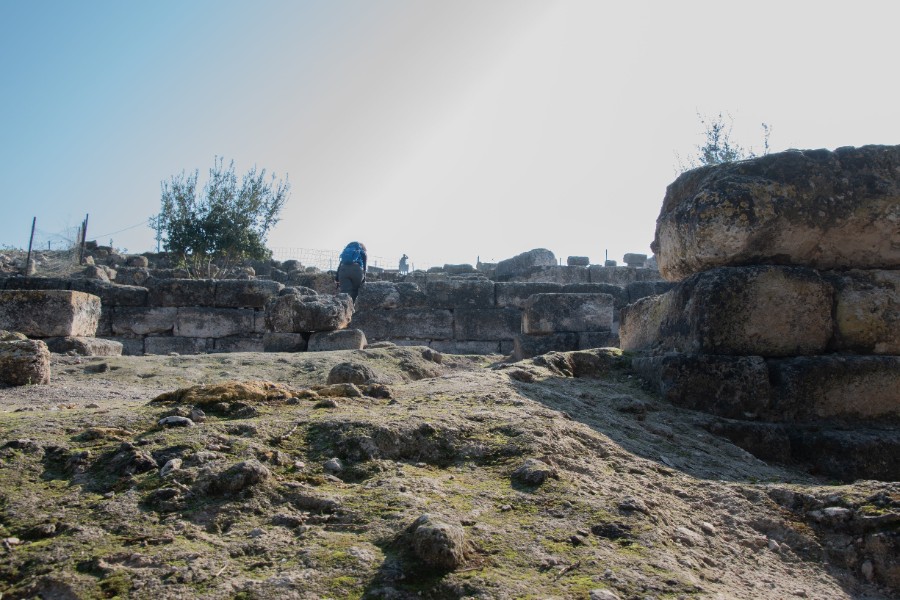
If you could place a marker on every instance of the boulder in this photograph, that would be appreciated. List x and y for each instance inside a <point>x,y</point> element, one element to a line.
<point>760,310</point>
<point>813,208</point>
<point>520,264</point>
<point>438,543</point>
<point>342,339</point>
<point>24,362</point>
<point>348,372</point>
<point>298,314</point>
<point>555,313</point>
<point>49,313</point>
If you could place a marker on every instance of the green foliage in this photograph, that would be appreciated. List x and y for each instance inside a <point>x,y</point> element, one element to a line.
<point>718,147</point>
<point>225,223</point>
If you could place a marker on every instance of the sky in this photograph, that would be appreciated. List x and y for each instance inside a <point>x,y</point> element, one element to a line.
<point>449,131</point>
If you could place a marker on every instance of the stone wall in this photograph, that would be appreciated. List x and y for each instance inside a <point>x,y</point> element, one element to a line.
<point>785,323</point>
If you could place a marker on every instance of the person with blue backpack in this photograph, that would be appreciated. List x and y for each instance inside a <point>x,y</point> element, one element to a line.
<point>351,272</point>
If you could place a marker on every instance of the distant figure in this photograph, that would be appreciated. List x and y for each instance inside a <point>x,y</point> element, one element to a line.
<point>404,265</point>
<point>351,272</point>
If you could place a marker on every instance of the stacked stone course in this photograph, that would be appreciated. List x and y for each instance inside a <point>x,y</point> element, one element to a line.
<point>785,318</point>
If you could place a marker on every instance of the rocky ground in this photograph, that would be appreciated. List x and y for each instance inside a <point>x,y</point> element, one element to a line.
<point>401,473</point>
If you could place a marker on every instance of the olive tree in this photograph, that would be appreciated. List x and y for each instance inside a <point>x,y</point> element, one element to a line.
<point>718,146</point>
<point>225,222</point>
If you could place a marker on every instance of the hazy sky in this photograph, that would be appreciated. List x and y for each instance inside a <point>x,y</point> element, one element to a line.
<point>445,130</point>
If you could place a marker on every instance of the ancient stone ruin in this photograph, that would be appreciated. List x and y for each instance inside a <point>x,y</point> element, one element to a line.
<point>785,318</point>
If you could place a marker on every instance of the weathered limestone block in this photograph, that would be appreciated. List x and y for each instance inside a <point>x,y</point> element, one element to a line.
<point>460,293</point>
<point>529,346</point>
<point>466,346</point>
<point>736,387</point>
<point>239,343</point>
<point>181,292</point>
<point>557,274</point>
<point>137,260</point>
<point>486,324</point>
<point>298,314</point>
<point>814,208</point>
<point>344,339</point>
<point>84,346</point>
<point>866,311</point>
<point>212,322</point>
<point>129,320</point>
<point>49,313</point>
<point>323,283</point>
<point>24,362</point>
<point>131,346</point>
<point>382,295</point>
<point>635,260</point>
<point>520,264</point>
<point>284,342</point>
<point>132,275</point>
<point>556,313</point>
<point>619,293</point>
<point>104,323</point>
<point>245,293</point>
<point>578,261</point>
<point>416,323</point>
<point>158,344</point>
<point>621,275</point>
<point>112,294</point>
<point>514,293</point>
<point>854,388</point>
<point>759,311</point>
<point>459,269</point>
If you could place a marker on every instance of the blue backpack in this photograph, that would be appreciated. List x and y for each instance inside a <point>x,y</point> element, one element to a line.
<point>352,253</point>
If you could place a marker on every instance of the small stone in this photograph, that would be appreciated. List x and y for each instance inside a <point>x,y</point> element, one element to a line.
<point>800,593</point>
<point>92,405</point>
<point>299,465</point>
<point>632,504</point>
<point>773,546</point>
<point>175,421</point>
<point>534,472</point>
<point>576,540</point>
<point>599,594</point>
<point>688,536</point>
<point>707,528</point>
<point>256,533</point>
<point>326,403</point>
<point>197,415</point>
<point>170,466</point>
<point>868,570</point>
<point>505,508</point>
<point>333,465</point>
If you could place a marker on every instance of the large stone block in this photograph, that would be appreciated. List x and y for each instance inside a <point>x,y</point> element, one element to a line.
<point>129,321</point>
<point>112,294</point>
<point>154,344</point>
<point>344,339</point>
<point>520,264</point>
<point>529,346</point>
<point>556,274</point>
<point>323,283</point>
<point>466,346</point>
<point>844,387</point>
<point>460,293</point>
<point>24,362</point>
<point>487,324</point>
<point>239,343</point>
<point>18,282</point>
<point>131,346</point>
<point>384,295</point>
<point>213,322</point>
<point>49,313</point>
<point>761,311</point>
<point>285,342</point>
<point>245,293</point>
<point>299,314</point>
<point>619,293</point>
<point>417,323</point>
<point>514,293</point>
<point>556,313</point>
<point>814,208</point>
<point>621,275</point>
<point>85,346</point>
<point>735,387</point>
<point>866,311</point>
<point>641,289</point>
<point>181,292</point>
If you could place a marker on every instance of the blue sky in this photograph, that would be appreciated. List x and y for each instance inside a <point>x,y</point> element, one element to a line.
<point>445,130</point>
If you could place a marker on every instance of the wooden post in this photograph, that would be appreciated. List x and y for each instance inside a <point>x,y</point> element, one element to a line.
<point>30,242</point>
<point>83,240</point>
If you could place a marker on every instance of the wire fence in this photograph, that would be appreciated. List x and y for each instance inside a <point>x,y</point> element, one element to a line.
<point>325,260</point>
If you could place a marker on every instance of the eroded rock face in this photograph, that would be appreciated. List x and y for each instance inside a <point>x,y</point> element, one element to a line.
<point>49,313</point>
<point>24,362</point>
<point>814,208</point>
